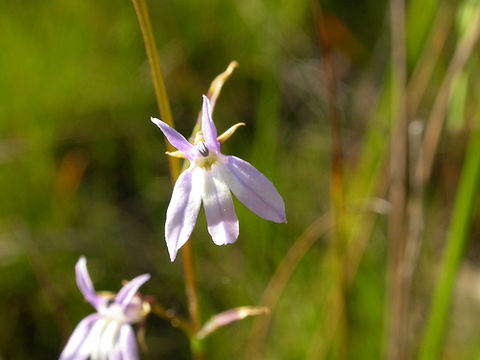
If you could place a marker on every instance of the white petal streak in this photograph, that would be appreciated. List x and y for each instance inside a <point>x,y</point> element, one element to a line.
<point>91,346</point>
<point>108,340</point>
<point>183,209</point>
<point>254,190</point>
<point>217,200</point>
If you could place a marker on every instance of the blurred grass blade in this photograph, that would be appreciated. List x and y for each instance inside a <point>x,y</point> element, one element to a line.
<point>421,14</point>
<point>396,298</point>
<point>229,316</point>
<point>465,201</point>
<point>429,57</point>
<point>457,103</point>
<point>465,47</point>
<point>280,279</point>
<point>337,187</point>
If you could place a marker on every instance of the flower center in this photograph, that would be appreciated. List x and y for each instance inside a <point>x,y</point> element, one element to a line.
<point>207,158</point>
<point>203,149</point>
<point>206,161</point>
<point>134,312</point>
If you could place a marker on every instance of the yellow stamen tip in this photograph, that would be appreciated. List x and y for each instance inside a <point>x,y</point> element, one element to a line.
<point>176,154</point>
<point>227,134</point>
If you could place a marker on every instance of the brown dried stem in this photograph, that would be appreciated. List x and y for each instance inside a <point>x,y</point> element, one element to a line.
<point>174,163</point>
<point>396,305</point>
<point>424,68</point>
<point>437,115</point>
<point>336,182</point>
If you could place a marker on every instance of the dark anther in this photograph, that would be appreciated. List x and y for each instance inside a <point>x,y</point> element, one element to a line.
<point>202,149</point>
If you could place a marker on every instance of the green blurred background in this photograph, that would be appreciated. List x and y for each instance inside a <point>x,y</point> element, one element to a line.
<point>83,171</point>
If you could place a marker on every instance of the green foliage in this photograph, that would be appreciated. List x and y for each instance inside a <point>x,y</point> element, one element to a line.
<point>83,171</point>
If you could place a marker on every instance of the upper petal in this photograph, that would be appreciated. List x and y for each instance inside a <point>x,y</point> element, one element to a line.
<point>126,293</point>
<point>183,209</point>
<point>208,127</point>
<point>84,283</point>
<point>217,201</point>
<point>254,190</point>
<point>78,337</point>
<point>176,139</point>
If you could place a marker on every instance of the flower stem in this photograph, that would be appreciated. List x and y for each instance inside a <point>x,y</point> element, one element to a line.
<point>160,91</point>
<point>174,164</point>
<point>190,286</point>
<point>174,320</point>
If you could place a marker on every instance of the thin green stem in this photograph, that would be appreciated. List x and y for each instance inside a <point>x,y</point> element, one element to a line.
<point>158,83</point>
<point>462,213</point>
<point>174,164</point>
<point>190,287</point>
<point>169,316</point>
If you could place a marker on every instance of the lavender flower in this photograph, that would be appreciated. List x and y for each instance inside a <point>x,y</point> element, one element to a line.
<point>107,334</point>
<point>210,178</point>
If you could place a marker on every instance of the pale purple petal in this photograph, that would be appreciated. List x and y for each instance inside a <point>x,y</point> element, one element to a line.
<point>176,139</point>
<point>116,353</point>
<point>183,209</point>
<point>217,201</point>
<point>208,127</point>
<point>229,316</point>
<point>127,343</point>
<point>126,293</point>
<point>254,190</point>
<point>84,283</point>
<point>77,339</point>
